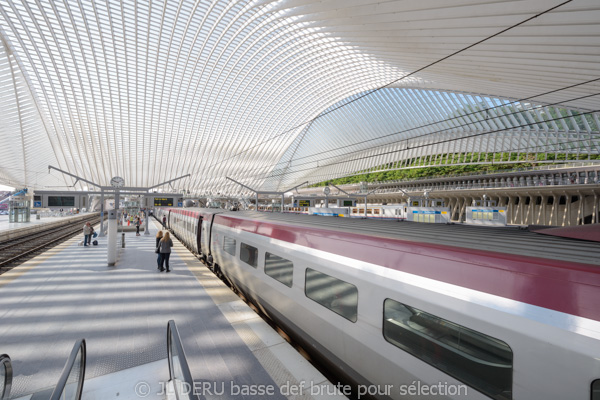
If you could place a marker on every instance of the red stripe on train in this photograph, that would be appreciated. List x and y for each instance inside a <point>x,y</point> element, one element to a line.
<point>568,287</point>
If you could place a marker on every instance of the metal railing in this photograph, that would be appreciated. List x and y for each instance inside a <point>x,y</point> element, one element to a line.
<point>179,371</point>
<point>5,376</point>
<point>70,383</point>
<point>546,167</point>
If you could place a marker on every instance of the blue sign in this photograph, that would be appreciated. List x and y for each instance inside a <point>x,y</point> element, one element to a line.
<point>426,212</point>
<point>474,210</point>
<point>37,204</point>
<point>179,204</point>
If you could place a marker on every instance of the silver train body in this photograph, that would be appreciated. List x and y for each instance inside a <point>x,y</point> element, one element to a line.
<point>406,310</point>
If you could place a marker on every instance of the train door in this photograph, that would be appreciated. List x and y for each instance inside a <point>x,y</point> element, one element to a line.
<point>169,220</point>
<point>199,235</point>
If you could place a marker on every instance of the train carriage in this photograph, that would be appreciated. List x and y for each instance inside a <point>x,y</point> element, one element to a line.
<point>192,226</point>
<point>469,312</point>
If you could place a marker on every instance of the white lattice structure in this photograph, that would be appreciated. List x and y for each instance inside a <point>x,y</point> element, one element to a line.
<point>273,93</point>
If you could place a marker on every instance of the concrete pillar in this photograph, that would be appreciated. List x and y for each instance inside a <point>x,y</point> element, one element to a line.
<point>112,238</point>
<point>567,214</point>
<point>554,211</point>
<point>463,208</point>
<point>581,209</point>
<point>521,209</point>
<point>101,234</point>
<point>147,215</point>
<point>543,210</point>
<point>112,232</point>
<point>595,216</point>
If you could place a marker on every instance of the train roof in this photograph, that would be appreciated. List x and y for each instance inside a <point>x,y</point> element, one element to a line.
<point>508,240</point>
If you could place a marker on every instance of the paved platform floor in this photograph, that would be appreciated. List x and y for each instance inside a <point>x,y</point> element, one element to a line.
<point>69,293</point>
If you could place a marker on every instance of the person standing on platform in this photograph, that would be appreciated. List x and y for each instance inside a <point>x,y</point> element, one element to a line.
<point>164,247</point>
<point>165,222</point>
<point>137,226</point>
<point>87,234</point>
<point>159,236</point>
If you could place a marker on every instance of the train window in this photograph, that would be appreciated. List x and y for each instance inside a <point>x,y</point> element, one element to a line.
<point>479,360</point>
<point>596,390</point>
<point>279,269</point>
<point>229,245</point>
<point>249,255</point>
<point>339,296</point>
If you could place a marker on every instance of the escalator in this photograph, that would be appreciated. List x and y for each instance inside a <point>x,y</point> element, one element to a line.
<point>5,376</point>
<point>181,382</point>
<point>70,384</point>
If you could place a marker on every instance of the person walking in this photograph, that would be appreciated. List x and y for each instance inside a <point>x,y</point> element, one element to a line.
<point>159,236</point>
<point>137,226</point>
<point>164,247</point>
<point>165,222</point>
<point>87,234</point>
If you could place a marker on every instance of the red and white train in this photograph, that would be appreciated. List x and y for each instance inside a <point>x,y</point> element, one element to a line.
<point>408,310</point>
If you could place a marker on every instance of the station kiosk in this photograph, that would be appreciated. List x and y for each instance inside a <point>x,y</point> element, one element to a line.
<point>19,209</point>
<point>424,209</point>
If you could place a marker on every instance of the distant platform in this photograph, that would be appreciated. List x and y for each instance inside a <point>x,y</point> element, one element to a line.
<point>581,232</point>
<point>69,293</point>
<point>8,230</point>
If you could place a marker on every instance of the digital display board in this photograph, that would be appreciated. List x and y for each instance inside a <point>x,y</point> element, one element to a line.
<point>348,203</point>
<point>303,203</point>
<point>163,202</point>
<point>61,201</point>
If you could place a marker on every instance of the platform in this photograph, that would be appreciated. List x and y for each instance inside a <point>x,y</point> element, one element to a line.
<point>69,293</point>
<point>16,229</point>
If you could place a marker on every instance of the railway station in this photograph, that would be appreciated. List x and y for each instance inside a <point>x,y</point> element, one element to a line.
<point>300,199</point>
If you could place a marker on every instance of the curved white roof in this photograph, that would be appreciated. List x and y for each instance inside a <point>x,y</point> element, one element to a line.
<point>273,93</point>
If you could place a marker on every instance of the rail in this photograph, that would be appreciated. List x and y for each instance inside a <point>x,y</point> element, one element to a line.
<point>70,384</point>
<point>13,250</point>
<point>5,376</point>
<point>179,370</point>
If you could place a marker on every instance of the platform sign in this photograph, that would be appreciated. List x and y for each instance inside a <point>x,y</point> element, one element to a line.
<point>179,204</point>
<point>37,204</point>
<point>303,203</point>
<point>163,202</point>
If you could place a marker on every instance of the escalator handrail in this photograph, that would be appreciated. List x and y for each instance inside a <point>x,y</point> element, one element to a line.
<point>64,376</point>
<point>173,333</point>
<point>6,385</point>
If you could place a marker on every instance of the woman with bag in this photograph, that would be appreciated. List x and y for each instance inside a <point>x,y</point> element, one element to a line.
<point>164,247</point>
<point>159,236</point>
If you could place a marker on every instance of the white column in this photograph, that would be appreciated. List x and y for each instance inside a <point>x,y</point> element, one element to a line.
<point>112,232</point>
<point>147,227</point>
<point>112,238</point>
<point>101,213</point>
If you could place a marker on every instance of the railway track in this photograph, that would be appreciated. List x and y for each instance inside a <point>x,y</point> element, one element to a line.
<point>16,251</point>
